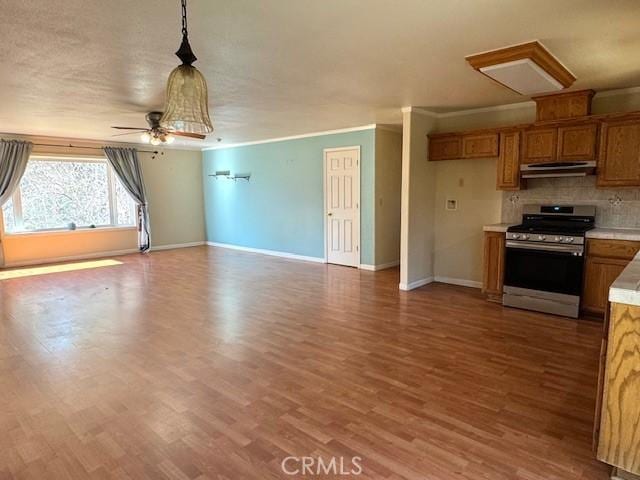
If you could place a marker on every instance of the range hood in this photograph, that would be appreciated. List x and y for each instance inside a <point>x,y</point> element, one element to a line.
<point>557,169</point>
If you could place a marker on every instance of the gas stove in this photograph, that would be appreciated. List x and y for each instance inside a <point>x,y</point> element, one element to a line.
<point>545,258</point>
<point>553,224</point>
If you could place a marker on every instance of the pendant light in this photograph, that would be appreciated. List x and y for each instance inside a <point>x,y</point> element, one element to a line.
<point>186,106</point>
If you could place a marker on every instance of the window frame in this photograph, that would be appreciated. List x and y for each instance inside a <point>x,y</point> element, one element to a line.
<point>16,197</point>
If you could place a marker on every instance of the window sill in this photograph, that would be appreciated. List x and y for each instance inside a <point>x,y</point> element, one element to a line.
<point>68,232</point>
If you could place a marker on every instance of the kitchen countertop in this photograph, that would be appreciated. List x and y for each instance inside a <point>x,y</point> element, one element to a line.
<point>615,233</point>
<point>498,227</point>
<point>626,288</point>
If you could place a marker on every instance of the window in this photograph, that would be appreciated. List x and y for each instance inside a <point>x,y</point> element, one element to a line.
<point>55,192</point>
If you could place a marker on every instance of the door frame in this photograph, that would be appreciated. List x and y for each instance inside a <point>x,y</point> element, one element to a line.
<point>324,200</point>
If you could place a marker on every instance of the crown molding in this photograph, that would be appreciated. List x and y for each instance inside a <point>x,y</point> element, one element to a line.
<point>617,92</point>
<point>421,111</point>
<point>494,108</point>
<point>513,106</point>
<point>294,137</point>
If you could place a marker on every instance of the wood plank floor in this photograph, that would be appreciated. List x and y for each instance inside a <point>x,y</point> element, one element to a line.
<point>210,363</point>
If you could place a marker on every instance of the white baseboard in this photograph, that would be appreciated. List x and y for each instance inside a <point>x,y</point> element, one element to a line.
<point>382,266</point>
<point>458,281</point>
<point>177,245</point>
<point>415,283</point>
<point>86,256</point>
<point>262,251</point>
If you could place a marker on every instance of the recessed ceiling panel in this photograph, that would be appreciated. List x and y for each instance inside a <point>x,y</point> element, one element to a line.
<point>523,76</point>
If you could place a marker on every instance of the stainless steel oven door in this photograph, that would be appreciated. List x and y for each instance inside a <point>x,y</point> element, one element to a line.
<point>544,277</point>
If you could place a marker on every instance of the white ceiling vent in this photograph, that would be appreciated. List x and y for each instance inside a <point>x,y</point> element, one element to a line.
<point>523,76</point>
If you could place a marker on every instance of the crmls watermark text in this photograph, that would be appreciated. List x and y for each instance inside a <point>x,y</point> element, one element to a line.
<point>316,466</point>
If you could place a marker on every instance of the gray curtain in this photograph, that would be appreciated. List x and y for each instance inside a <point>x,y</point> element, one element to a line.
<point>14,155</point>
<point>127,166</point>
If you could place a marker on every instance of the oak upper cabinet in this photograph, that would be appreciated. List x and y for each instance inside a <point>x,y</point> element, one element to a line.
<point>605,261</point>
<point>539,145</point>
<point>447,147</point>
<point>480,146</point>
<point>619,159</point>
<point>557,106</point>
<point>509,161</point>
<point>493,265</point>
<point>577,143</point>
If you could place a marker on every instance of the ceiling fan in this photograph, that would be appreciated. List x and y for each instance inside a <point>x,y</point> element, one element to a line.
<point>156,134</point>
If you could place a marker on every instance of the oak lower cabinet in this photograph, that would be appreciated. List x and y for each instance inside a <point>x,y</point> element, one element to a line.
<point>619,159</point>
<point>605,261</point>
<point>509,162</point>
<point>600,273</point>
<point>493,265</point>
<point>618,437</point>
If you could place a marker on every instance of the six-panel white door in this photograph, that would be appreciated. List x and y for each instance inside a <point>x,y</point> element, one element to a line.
<point>342,205</point>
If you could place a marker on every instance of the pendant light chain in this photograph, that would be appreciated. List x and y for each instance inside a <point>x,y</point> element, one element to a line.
<point>184,18</point>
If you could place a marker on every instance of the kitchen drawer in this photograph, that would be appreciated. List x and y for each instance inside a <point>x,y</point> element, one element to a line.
<point>623,249</point>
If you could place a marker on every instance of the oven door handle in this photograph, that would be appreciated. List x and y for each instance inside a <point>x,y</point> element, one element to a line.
<point>576,250</point>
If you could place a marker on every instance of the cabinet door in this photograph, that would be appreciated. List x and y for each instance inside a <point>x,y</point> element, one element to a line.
<point>494,250</point>
<point>539,145</point>
<point>509,161</point>
<point>622,249</point>
<point>480,146</point>
<point>445,148</point>
<point>600,273</point>
<point>577,143</point>
<point>619,159</point>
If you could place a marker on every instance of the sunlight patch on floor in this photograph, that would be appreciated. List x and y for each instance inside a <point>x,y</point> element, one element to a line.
<point>67,267</point>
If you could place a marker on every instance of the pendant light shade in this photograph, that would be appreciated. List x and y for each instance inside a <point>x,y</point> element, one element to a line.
<point>187,102</point>
<point>186,108</point>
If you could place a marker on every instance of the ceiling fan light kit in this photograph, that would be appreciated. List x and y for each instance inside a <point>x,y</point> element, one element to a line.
<point>528,68</point>
<point>187,100</point>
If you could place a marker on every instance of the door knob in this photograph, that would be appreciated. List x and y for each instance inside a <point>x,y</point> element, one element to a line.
<point>329,214</point>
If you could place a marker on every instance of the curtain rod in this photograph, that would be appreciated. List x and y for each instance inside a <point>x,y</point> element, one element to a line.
<point>155,152</point>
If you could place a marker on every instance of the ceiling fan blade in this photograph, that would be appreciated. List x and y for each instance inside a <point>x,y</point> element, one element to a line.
<point>131,128</point>
<point>199,136</point>
<point>126,133</point>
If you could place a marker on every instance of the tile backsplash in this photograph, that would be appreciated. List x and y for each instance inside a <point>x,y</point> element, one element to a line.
<point>615,207</point>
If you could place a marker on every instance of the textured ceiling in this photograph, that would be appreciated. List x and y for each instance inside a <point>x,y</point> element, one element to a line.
<point>285,67</point>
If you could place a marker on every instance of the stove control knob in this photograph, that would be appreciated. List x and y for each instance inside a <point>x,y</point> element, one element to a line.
<point>542,237</point>
<point>558,239</point>
<point>516,236</point>
<point>525,237</point>
<point>569,239</point>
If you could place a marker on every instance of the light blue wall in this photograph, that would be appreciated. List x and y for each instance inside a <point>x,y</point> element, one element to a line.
<point>281,208</point>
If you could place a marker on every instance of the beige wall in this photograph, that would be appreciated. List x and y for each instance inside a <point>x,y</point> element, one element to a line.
<point>458,234</point>
<point>418,199</point>
<point>388,180</point>
<point>176,201</point>
<point>176,209</point>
